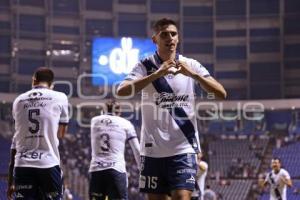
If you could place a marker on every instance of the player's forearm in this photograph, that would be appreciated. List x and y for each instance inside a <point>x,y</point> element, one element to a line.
<point>10,174</point>
<point>62,129</point>
<point>288,182</point>
<point>11,167</point>
<point>135,146</point>
<point>211,85</point>
<point>262,183</point>
<point>128,88</point>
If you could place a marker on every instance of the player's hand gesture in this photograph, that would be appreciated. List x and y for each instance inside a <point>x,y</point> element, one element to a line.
<point>286,181</point>
<point>10,192</point>
<point>167,67</point>
<point>184,69</point>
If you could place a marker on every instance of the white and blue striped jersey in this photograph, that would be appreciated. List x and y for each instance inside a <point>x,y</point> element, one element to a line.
<point>37,114</point>
<point>169,124</point>
<point>276,183</point>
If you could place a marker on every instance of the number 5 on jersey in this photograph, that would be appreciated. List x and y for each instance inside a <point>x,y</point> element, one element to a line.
<point>32,117</point>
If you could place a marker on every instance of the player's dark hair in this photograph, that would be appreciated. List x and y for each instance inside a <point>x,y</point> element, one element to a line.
<point>160,24</point>
<point>276,158</point>
<point>44,74</point>
<point>111,106</point>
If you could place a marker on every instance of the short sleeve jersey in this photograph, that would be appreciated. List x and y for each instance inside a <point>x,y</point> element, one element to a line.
<point>109,135</point>
<point>169,125</point>
<point>276,183</point>
<point>37,115</point>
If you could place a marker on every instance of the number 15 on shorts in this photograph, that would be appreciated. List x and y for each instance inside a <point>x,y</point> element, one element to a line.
<point>148,182</point>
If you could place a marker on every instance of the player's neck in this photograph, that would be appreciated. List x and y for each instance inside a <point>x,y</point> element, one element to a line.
<point>276,171</point>
<point>166,55</point>
<point>40,85</point>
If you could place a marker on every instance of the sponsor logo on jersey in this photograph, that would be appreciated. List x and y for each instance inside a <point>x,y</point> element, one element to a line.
<point>19,195</point>
<point>37,99</point>
<point>106,121</point>
<point>31,155</point>
<point>171,97</point>
<point>24,187</point>
<point>190,180</point>
<point>35,94</point>
<point>170,100</point>
<point>186,171</point>
<point>106,164</point>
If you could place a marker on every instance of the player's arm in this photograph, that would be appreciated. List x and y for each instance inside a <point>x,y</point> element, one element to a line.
<point>203,166</point>
<point>62,129</point>
<point>11,188</point>
<point>209,84</point>
<point>287,181</point>
<point>262,182</point>
<point>131,87</point>
<point>64,117</point>
<point>135,146</point>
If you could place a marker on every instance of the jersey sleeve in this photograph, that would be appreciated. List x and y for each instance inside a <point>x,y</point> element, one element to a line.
<point>267,179</point>
<point>13,143</point>
<point>137,72</point>
<point>286,175</point>
<point>14,108</point>
<point>64,116</point>
<point>199,69</point>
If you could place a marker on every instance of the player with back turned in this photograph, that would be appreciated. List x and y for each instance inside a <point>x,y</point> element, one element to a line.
<point>109,134</point>
<point>41,117</point>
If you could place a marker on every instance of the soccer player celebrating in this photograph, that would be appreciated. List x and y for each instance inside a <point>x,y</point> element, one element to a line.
<point>169,134</point>
<point>41,117</point>
<point>278,179</point>
<point>109,133</point>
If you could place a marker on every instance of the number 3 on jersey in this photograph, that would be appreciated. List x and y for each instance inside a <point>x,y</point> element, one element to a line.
<point>104,141</point>
<point>32,115</point>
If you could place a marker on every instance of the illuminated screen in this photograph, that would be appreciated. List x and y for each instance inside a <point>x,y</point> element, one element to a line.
<point>114,58</point>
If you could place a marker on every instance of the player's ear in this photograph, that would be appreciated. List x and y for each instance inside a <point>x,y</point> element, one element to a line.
<point>154,39</point>
<point>33,82</point>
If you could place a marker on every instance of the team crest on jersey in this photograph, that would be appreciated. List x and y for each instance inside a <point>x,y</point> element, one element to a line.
<point>170,76</point>
<point>35,94</point>
<point>106,121</point>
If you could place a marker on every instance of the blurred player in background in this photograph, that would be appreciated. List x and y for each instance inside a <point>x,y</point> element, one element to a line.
<point>109,133</point>
<point>41,117</point>
<point>278,179</point>
<point>200,184</point>
<point>169,134</point>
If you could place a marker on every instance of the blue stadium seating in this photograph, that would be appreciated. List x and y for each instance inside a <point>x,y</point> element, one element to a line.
<point>290,158</point>
<point>4,155</point>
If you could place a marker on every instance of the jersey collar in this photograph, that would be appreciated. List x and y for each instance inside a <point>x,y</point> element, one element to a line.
<point>39,87</point>
<point>158,59</point>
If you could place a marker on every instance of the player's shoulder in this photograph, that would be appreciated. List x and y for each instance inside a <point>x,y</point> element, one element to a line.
<point>99,117</point>
<point>184,58</point>
<point>24,95</point>
<point>147,58</point>
<point>122,120</point>
<point>57,94</point>
<point>283,171</point>
<point>189,61</point>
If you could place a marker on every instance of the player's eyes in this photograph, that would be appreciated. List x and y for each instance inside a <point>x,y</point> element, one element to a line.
<point>166,34</point>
